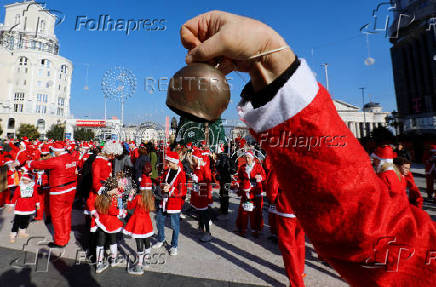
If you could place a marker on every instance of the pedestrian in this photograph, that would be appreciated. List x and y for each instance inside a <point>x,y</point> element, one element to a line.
<point>173,189</point>
<point>250,177</point>
<point>25,202</point>
<point>383,162</point>
<point>139,225</point>
<point>408,182</point>
<point>201,194</point>
<point>224,169</point>
<point>108,221</point>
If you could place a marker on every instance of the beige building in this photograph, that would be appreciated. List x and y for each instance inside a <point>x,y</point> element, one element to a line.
<point>35,81</point>
<point>356,120</point>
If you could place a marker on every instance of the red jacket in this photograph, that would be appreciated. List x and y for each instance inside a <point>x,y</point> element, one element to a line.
<point>173,204</point>
<point>139,225</point>
<point>25,205</point>
<point>249,187</point>
<point>110,222</point>
<point>201,195</point>
<point>276,196</point>
<point>346,211</point>
<point>63,172</point>
<point>410,187</point>
<point>101,171</point>
<point>13,177</point>
<point>392,181</point>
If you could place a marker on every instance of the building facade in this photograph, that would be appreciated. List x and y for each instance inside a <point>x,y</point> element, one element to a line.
<point>414,64</point>
<point>361,123</point>
<point>35,81</point>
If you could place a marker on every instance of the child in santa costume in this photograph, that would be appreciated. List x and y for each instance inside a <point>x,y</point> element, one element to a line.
<point>108,222</point>
<point>13,180</point>
<point>201,193</point>
<point>250,178</point>
<point>43,186</point>
<point>408,182</point>
<point>25,203</point>
<point>383,162</point>
<point>173,190</point>
<point>139,225</point>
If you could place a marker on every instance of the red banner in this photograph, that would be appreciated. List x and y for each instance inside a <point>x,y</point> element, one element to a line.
<point>90,123</point>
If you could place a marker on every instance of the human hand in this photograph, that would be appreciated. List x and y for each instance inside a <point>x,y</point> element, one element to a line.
<point>235,39</point>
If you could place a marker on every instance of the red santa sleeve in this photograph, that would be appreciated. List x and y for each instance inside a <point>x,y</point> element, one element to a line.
<point>132,204</point>
<point>96,177</point>
<point>272,187</point>
<point>45,164</point>
<point>345,210</point>
<point>17,194</point>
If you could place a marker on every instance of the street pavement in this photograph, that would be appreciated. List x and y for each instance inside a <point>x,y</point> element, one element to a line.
<point>228,260</point>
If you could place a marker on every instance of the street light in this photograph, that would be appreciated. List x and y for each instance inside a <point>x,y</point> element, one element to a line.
<point>364,113</point>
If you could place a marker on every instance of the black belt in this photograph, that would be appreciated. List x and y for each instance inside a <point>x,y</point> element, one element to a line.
<point>63,185</point>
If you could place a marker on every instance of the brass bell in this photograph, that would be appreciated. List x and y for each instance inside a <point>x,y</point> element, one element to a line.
<point>199,92</point>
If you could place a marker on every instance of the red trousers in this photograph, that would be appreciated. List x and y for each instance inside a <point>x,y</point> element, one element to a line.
<point>292,245</point>
<point>255,216</point>
<point>40,211</point>
<point>61,206</point>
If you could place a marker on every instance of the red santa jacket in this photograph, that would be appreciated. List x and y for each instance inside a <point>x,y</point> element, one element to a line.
<point>201,194</point>
<point>392,181</point>
<point>346,211</point>
<point>140,224</point>
<point>63,172</point>
<point>110,222</point>
<point>412,190</point>
<point>25,199</point>
<point>83,157</point>
<point>249,187</point>
<point>173,204</point>
<point>101,171</point>
<point>23,156</point>
<point>13,177</point>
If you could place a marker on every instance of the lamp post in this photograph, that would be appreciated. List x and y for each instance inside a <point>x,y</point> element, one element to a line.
<point>364,113</point>
<point>325,65</point>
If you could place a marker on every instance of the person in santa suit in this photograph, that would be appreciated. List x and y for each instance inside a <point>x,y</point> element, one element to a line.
<point>25,202</point>
<point>43,187</point>
<point>101,170</point>
<point>13,178</point>
<point>23,155</point>
<point>139,225</point>
<point>430,171</point>
<point>201,193</point>
<point>383,162</point>
<point>108,221</point>
<point>271,188</point>
<point>173,190</point>
<point>408,182</point>
<point>344,208</point>
<point>291,237</point>
<point>62,170</point>
<point>250,178</point>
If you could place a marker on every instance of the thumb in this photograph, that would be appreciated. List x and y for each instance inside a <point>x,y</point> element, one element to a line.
<point>208,50</point>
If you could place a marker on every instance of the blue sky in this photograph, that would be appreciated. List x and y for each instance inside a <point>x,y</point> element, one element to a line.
<point>319,31</point>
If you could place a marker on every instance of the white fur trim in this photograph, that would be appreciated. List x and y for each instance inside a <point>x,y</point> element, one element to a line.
<point>145,188</point>
<point>383,160</point>
<point>134,235</point>
<point>24,212</point>
<point>62,192</point>
<point>57,149</point>
<point>297,93</point>
<point>173,160</point>
<point>99,224</point>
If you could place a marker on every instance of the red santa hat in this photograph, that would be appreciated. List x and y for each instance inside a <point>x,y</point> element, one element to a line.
<point>189,145</point>
<point>203,142</point>
<point>172,156</point>
<point>58,147</point>
<point>26,176</point>
<point>384,154</point>
<point>85,145</point>
<point>242,143</point>
<point>45,149</point>
<point>197,153</point>
<point>249,153</point>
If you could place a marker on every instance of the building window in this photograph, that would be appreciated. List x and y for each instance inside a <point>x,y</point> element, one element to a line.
<point>19,97</point>
<point>39,83</point>
<point>64,69</point>
<point>47,85</point>
<point>41,109</point>
<point>18,108</point>
<point>40,124</point>
<point>42,26</point>
<point>45,62</point>
<point>61,102</point>
<point>23,61</point>
<point>11,123</point>
<point>60,112</point>
<point>41,98</point>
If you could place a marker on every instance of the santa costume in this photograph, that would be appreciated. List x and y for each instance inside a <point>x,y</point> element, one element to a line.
<point>250,178</point>
<point>385,169</point>
<point>62,189</point>
<point>25,203</point>
<point>347,212</point>
<point>430,170</point>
